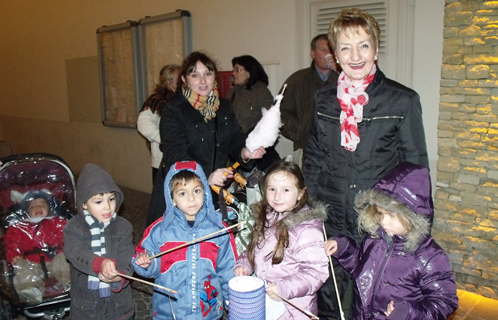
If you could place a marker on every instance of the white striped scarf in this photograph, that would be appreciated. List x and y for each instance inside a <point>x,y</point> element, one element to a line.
<point>98,247</point>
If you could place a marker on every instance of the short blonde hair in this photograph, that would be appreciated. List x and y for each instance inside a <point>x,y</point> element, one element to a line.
<point>352,19</point>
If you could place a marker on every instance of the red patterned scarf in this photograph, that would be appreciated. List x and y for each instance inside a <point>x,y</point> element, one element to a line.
<point>352,99</point>
<point>207,105</point>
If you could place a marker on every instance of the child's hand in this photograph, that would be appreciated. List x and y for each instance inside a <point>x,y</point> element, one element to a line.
<point>330,247</point>
<point>108,272</point>
<point>143,260</point>
<point>240,271</point>
<point>16,259</point>
<point>272,291</point>
<point>390,308</point>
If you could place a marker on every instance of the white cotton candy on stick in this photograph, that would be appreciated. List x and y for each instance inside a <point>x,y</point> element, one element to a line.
<point>266,131</point>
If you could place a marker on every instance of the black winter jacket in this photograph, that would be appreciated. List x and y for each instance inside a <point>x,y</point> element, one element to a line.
<point>186,136</point>
<point>391,132</point>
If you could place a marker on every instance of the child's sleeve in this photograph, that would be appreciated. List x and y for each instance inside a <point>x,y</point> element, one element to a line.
<point>437,285</point>
<point>147,245</point>
<point>126,250</point>
<point>77,251</point>
<point>313,268</point>
<point>348,253</point>
<point>227,255</point>
<point>11,242</point>
<point>243,261</point>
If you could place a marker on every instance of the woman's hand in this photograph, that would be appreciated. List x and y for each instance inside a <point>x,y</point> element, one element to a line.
<point>330,247</point>
<point>256,154</point>
<point>272,291</point>
<point>143,260</point>
<point>240,271</point>
<point>219,176</point>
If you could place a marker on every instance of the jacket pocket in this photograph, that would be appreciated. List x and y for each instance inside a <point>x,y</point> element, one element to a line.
<point>83,308</point>
<point>124,308</point>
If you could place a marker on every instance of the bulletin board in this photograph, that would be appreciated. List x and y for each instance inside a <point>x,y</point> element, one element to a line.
<point>164,39</point>
<point>119,65</point>
<point>131,54</point>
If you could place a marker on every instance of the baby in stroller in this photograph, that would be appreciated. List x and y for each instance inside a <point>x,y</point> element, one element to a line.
<point>33,247</point>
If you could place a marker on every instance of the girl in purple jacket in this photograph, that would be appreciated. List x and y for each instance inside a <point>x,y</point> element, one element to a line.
<point>286,247</point>
<point>400,271</point>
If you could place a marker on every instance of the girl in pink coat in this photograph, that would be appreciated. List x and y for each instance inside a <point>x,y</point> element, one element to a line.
<point>286,247</point>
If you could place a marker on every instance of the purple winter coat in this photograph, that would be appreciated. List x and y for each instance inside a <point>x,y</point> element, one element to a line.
<point>412,270</point>
<point>304,267</point>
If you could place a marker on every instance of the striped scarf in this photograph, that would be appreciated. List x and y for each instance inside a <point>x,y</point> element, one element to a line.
<point>207,105</point>
<point>352,99</point>
<point>98,247</point>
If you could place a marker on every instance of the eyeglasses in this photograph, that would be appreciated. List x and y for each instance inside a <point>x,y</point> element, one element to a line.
<point>238,70</point>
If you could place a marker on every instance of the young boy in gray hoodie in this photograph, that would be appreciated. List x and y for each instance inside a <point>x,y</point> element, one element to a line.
<point>98,245</point>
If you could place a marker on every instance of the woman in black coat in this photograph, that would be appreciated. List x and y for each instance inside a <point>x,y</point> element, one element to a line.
<point>198,125</point>
<point>363,126</point>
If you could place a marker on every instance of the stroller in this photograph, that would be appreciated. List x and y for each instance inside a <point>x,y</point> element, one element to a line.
<point>30,281</point>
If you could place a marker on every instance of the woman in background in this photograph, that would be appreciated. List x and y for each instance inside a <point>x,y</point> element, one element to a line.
<point>250,93</point>
<point>150,114</point>
<point>248,97</point>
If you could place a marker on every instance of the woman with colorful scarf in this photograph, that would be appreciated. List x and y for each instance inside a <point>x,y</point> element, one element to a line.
<point>363,126</point>
<point>196,124</point>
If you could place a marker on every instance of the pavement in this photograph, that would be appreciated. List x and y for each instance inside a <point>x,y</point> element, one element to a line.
<point>135,207</point>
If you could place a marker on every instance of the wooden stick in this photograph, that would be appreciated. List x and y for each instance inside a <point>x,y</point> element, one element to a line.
<point>197,240</point>
<point>309,314</point>
<point>146,282</point>
<point>333,276</point>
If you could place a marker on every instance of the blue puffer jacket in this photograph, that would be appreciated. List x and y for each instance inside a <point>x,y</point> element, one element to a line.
<point>411,270</point>
<point>199,272</point>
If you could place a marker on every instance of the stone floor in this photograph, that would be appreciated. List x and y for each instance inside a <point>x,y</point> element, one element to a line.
<point>134,209</point>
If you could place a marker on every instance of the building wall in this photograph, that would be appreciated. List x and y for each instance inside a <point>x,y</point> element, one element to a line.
<point>466,200</point>
<point>49,70</point>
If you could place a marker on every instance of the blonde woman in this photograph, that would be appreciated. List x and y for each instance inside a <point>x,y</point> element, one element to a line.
<point>150,114</point>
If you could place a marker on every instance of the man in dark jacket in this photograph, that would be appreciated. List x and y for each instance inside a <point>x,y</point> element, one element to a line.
<point>297,104</point>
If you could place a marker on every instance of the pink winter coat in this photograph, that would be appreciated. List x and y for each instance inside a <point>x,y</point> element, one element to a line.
<point>304,268</point>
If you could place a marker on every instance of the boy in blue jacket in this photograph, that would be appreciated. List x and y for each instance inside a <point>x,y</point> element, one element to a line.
<point>199,272</point>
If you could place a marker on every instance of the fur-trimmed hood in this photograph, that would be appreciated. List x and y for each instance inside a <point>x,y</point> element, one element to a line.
<point>405,190</point>
<point>314,210</point>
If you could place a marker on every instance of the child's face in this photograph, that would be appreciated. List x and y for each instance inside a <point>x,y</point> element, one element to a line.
<point>38,208</point>
<point>391,223</point>
<point>101,206</point>
<point>282,193</point>
<point>189,198</point>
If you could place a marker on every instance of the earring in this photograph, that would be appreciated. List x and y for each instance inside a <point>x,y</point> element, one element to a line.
<point>337,60</point>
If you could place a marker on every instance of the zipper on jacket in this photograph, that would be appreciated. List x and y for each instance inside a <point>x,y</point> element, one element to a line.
<point>365,119</point>
<point>388,254</point>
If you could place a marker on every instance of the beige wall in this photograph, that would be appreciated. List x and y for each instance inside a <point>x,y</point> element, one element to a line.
<point>49,72</point>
